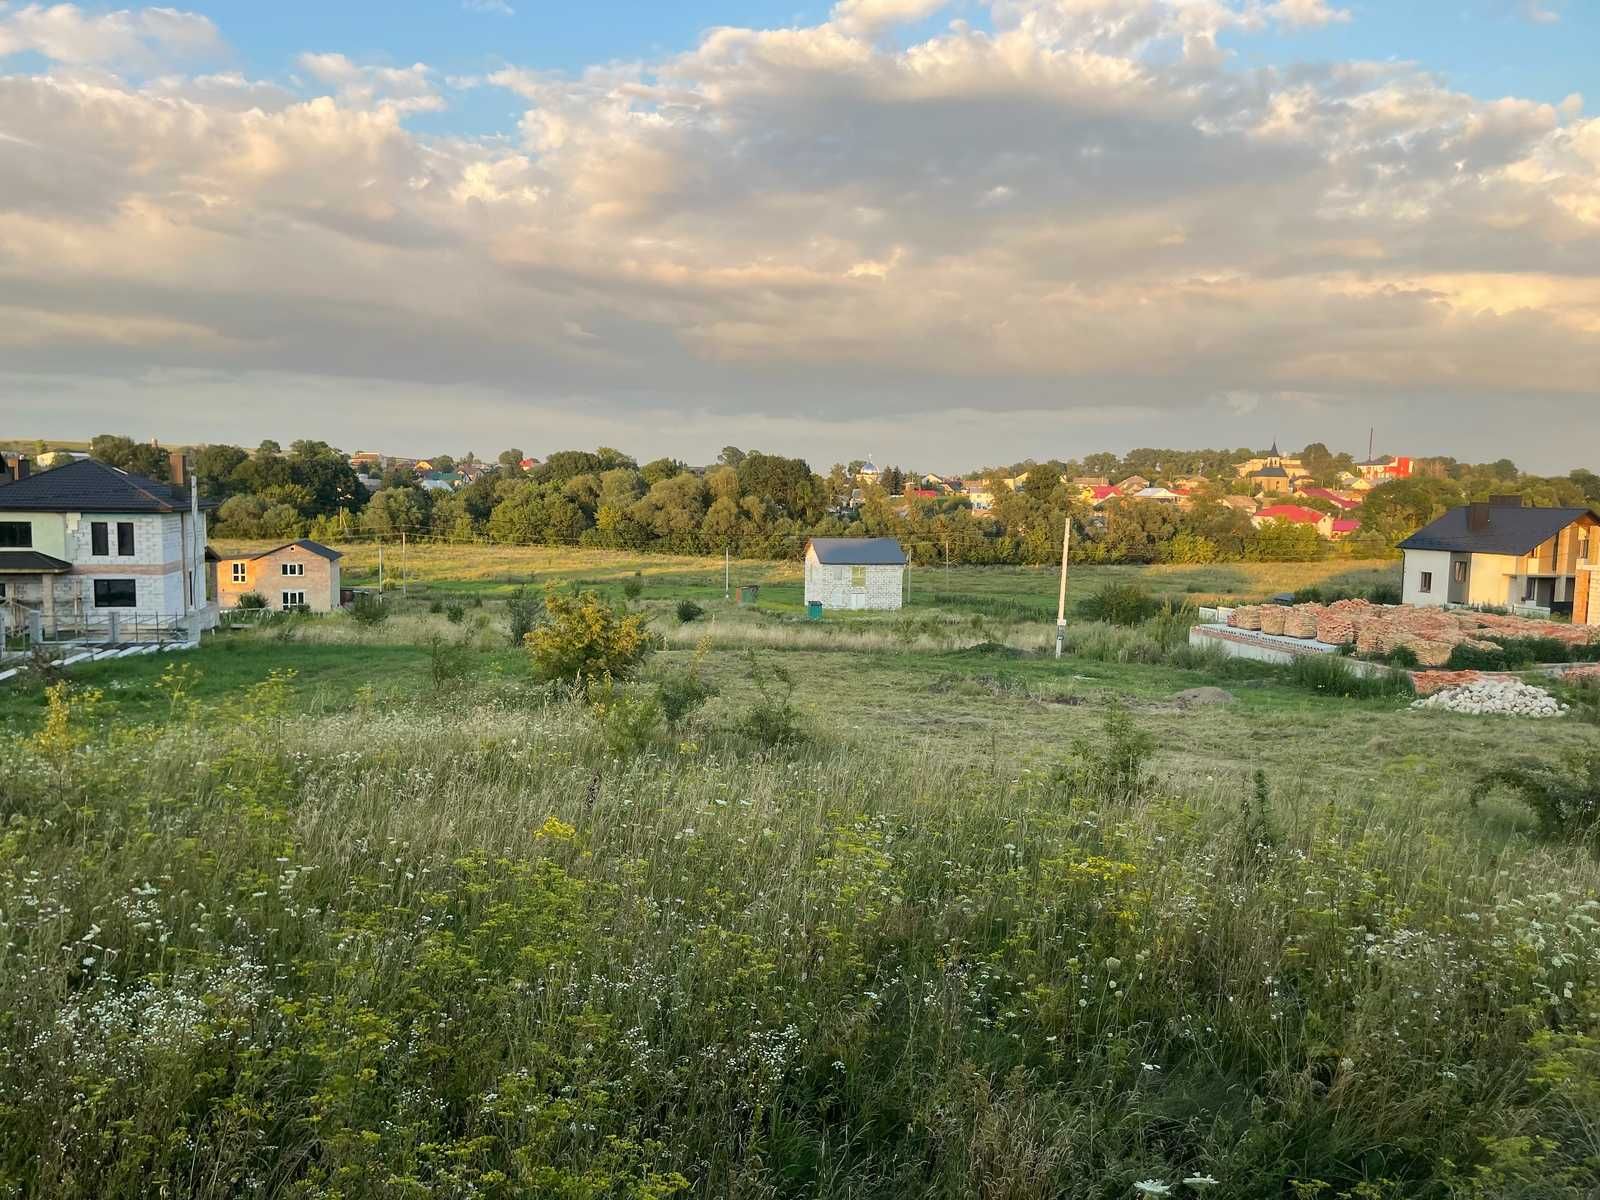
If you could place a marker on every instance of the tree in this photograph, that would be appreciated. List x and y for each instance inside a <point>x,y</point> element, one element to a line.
<point>393,510</point>
<point>511,459</point>
<point>785,483</point>
<point>582,640</point>
<point>214,467</point>
<point>731,456</point>
<point>327,476</point>
<point>140,458</point>
<point>1397,509</point>
<point>673,507</point>
<point>662,468</point>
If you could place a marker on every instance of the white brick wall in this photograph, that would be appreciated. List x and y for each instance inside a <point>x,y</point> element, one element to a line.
<point>834,586</point>
<point>157,543</point>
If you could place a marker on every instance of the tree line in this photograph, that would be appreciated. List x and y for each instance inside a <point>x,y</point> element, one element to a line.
<point>758,505</point>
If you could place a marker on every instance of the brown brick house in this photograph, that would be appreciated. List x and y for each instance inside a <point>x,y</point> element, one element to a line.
<point>300,576</point>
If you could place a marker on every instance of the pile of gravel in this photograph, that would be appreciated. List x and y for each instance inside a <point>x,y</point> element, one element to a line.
<point>1500,697</point>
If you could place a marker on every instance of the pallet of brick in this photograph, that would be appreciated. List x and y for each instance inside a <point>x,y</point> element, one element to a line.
<point>1302,621</point>
<point>1335,628</point>
<point>1370,638</point>
<point>1429,653</point>
<point>1248,617</point>
<point>1273,618</point>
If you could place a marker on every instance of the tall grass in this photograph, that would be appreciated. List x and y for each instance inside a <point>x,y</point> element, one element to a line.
<point>468,952</point>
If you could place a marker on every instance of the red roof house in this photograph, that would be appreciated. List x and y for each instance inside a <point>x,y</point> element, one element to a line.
<point>1293,513</point>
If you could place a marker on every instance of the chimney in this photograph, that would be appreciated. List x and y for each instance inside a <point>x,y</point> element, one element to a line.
<point>1505,501</point>
<point>180,469</point>
<point>1478,517</point>
<point>21,467</point>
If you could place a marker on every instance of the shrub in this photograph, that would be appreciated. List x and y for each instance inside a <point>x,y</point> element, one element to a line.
<point>436,606</point>
<point>629,719</point>
<point>522,612</point>
<point>1384,593</point>
<point>688,611</point>
<point>1114,771</point>
<point>634,587</point>
<point>681,693</point>
<point>583,639</point>
<point>447,660</point>
<point>368,610</point>
<point>771,722</point>
<point>1333,676</point>
<point>455,613</point>
<point>1170,626</point>
<point>1119,604</point>
<point>251,602</point>
<point>1564,796</point>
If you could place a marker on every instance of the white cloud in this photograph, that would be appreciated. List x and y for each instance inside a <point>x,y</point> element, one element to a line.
<point>497,7</point>
<point>142,37</point>
<point>1058,214</point>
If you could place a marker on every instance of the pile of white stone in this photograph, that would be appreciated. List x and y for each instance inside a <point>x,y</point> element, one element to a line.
<point>1497,697</point>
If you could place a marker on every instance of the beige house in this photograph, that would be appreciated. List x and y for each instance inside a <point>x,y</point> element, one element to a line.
<point>1502,554</point>
<point>858,573</point>
<point>301,576</point>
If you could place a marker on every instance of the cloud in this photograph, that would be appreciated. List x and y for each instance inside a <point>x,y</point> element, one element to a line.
<point>1082,210</point>
<point>498,8</point>
<point>1541,12</point>
<point>67,34</point>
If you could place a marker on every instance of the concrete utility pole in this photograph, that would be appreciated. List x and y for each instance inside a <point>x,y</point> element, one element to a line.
<point>402,563</point>
<point>380,568</point>
<point>1061,600</point>
<point>727,573</point>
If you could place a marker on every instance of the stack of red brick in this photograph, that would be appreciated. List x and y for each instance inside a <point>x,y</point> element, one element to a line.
<point>1379,629</point>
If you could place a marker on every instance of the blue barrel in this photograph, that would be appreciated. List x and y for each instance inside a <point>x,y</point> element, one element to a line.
<point>813,610</point>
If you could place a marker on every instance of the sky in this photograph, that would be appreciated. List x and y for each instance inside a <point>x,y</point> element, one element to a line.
<point>939,235</point>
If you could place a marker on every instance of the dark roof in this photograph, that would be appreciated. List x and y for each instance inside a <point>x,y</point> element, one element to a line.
<point>91,486</point>
<point>1271,473</point>
<point>304,544</point>
<point>30,562</point>
<point>1511,530</point>
<point>859,552</point>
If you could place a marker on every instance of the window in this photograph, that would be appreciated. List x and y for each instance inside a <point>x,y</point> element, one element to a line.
<point>858,577</point>
<point>238,572</point>
<point>293,601</point>
<point>294,568</point>
<point>1459,571</point>
<point>115,593</point>
<point>125,538</point>
<point>1426,582</point>
<point>1530,589</point>
<point>2,591</point>
<point>16,535</point>
<point>99,542</point>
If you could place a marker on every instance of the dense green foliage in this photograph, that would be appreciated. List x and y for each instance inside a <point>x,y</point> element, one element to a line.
<point>475,951</point>
<point>759,505</point>
<point>582,640</point>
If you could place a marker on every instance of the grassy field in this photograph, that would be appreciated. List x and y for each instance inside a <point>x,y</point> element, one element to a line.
<point>1005,592</point>
<point>324,910</point>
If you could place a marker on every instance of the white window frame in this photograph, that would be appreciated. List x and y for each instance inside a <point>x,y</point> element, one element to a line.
<point>241,573</point>
<point>293,568</point>
<point>289,601</point>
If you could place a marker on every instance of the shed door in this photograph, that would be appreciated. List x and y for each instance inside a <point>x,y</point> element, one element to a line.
<point>858,599</point>
<point>1460,578</point>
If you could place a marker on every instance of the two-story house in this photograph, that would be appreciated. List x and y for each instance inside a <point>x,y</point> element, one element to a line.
<point>86,542</point>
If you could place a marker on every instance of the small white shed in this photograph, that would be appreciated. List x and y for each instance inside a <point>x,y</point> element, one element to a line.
<point>855,573</point>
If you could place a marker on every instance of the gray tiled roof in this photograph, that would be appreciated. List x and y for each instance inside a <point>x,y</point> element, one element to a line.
<point>91,486</point>
<point>305,544</point>
<point>859,552</point>
<point>31,562</point>
<point>1511,530</point>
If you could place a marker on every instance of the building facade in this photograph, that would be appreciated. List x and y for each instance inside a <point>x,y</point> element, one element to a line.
<point>91,548</point>
<point>855,573</point>
<point>300,576</point>
<point>1500,554</point>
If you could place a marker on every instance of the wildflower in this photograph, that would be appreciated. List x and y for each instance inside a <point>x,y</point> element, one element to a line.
<point>1152,1187</point>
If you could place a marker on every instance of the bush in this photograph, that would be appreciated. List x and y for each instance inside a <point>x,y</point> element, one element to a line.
<point>251,602</point>
<point>771,722</point>
<point>447,661</point>
<point>436,606</point>
<point>634,588</point>
<point>455,613</point>
<point>689,611</point>
<point>681,693</point>
<point>1564,796</point>
<point>1114,771</point>
<point>1333,676</point>
<point>1119,604</point>
<point>368,610</point>
<point>583,639</point>
<point>522,612</point>
<point>629,719</point>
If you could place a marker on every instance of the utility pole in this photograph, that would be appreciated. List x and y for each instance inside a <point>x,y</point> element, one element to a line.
<point>380,569</point>
<point>727,573</point>
<point>402,563</point>
<point>1061,600</point>
<point>947,560</point>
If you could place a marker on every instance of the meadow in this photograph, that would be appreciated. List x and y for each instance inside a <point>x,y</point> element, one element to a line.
<point>325,909</point>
